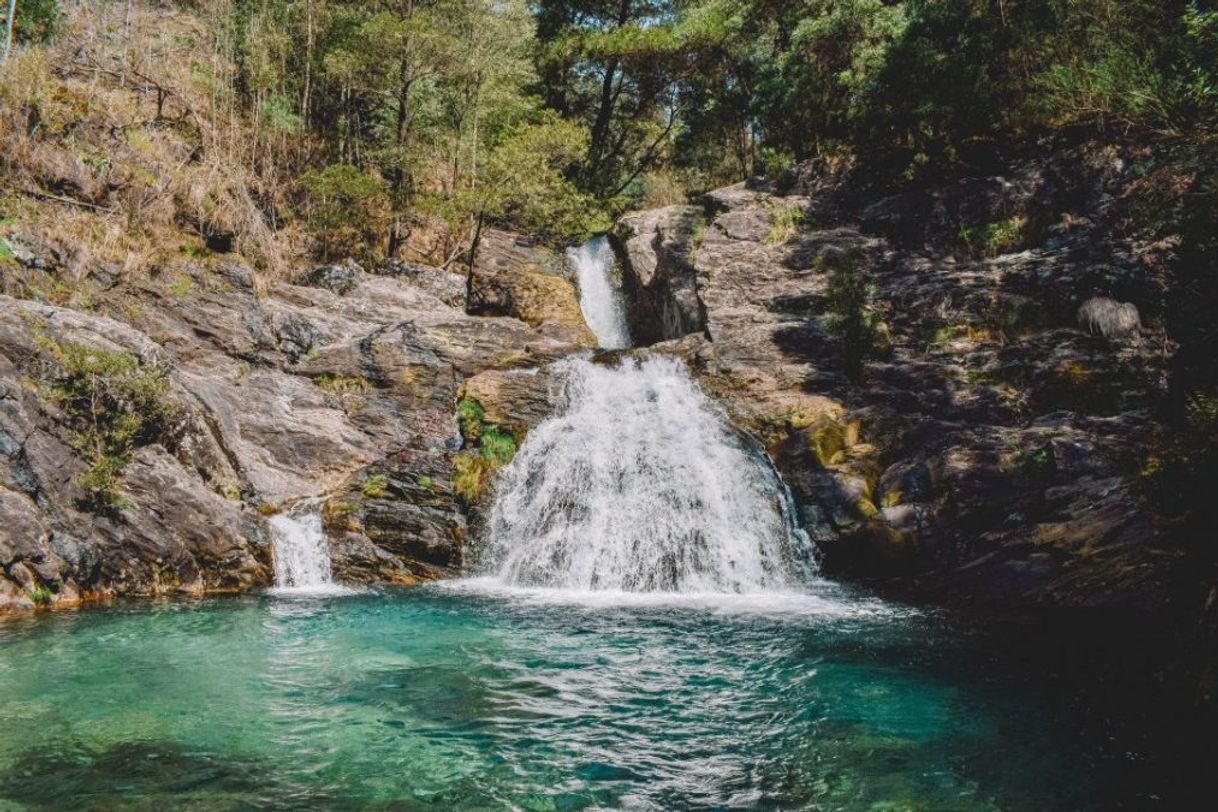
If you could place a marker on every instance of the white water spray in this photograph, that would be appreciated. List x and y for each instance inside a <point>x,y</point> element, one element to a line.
<point>600,299</point>
<point>301,552</point>
<point>637,485</point>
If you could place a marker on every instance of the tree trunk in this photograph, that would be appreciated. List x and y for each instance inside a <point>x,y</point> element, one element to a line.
<point>8,30</point>
<point>604,114</point>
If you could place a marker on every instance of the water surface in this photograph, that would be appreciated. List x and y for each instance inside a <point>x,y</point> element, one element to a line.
<point>466,697</point>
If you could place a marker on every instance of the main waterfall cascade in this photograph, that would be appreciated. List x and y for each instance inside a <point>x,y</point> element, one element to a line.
<point>638,484</point>
<point>301,552</point>
<point>600,298</point>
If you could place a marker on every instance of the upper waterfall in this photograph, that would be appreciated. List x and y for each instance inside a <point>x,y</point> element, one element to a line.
<point>638,485</point>
<point>600,298</point>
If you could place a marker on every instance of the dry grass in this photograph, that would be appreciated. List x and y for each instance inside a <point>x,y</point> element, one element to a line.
<point>130,141</point>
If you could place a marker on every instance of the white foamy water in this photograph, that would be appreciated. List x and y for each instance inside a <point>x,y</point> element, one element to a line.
<point>817,599</point>
<point>600,298</point>
<point>638,485</point>
<point>301,554</point>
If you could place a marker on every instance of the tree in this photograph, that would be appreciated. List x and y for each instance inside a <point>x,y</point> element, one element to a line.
<point>8,30</point>
<point>611,65</point>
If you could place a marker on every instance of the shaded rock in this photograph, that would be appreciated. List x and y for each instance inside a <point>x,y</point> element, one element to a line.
<point>658,277</point>
<point>341,278</point>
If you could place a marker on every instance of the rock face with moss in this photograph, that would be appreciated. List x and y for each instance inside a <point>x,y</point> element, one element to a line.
<point>145,436</point>
<point>918,373</point>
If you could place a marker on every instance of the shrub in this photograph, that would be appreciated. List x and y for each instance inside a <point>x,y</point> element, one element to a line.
<point>851,317</point>
<point>375,487</point>
<point>112,403</point>
<point>35,20</point>
<point>41,596</point>
<point>786,221</point>
<point>996,238</point>
<point>347,209</point>
<point>497,447</point>
<point>469,416</point>
<point>487,449</point>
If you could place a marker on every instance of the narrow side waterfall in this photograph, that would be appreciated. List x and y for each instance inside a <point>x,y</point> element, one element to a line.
<point>600,298</point>
<point>638,485</point>
<point>301,552</point>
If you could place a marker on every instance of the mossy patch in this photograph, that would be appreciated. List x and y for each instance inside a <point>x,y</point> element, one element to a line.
<point>113,403</point>
<point>487,448</point>
<point>994,238</point>
<point>351,392</point>
<point>41,596</point>
<point>375,487</point>
<point>829,440</point>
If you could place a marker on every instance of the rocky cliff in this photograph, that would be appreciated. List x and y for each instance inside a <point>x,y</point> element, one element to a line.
<point>969,437</point>
<point>914,364</point>
<point>341,385</point>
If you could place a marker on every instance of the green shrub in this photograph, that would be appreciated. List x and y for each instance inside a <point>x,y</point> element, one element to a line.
<point>375,487</point>
<point>497,447</point>
<point>41,596</point>
<point>347,209</point>
<point>112,403</point>
<point>469,415</point>
<point>35,20</point>
<point>487,449</point>
<point>996,238</point>
<point>851,317</point>
<point>785,223</point>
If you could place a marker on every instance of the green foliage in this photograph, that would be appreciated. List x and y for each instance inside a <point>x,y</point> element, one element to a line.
<point>524,184</point>
<point>36,20</point>
<point>497,447</point>
<point>993,239</point>
<point>347,208</point>
<point>113,404</point>
<point>375,487</point>
<point>180,287</point>
<point>41,595</point>
<point>851,317</point>
<point>469,415</point>
<point>487,449</point>
<point>786,221</point>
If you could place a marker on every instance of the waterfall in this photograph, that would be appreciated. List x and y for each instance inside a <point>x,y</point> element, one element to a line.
<point>301,552</point>
<point>600,298</point>
<point>638,485</point>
